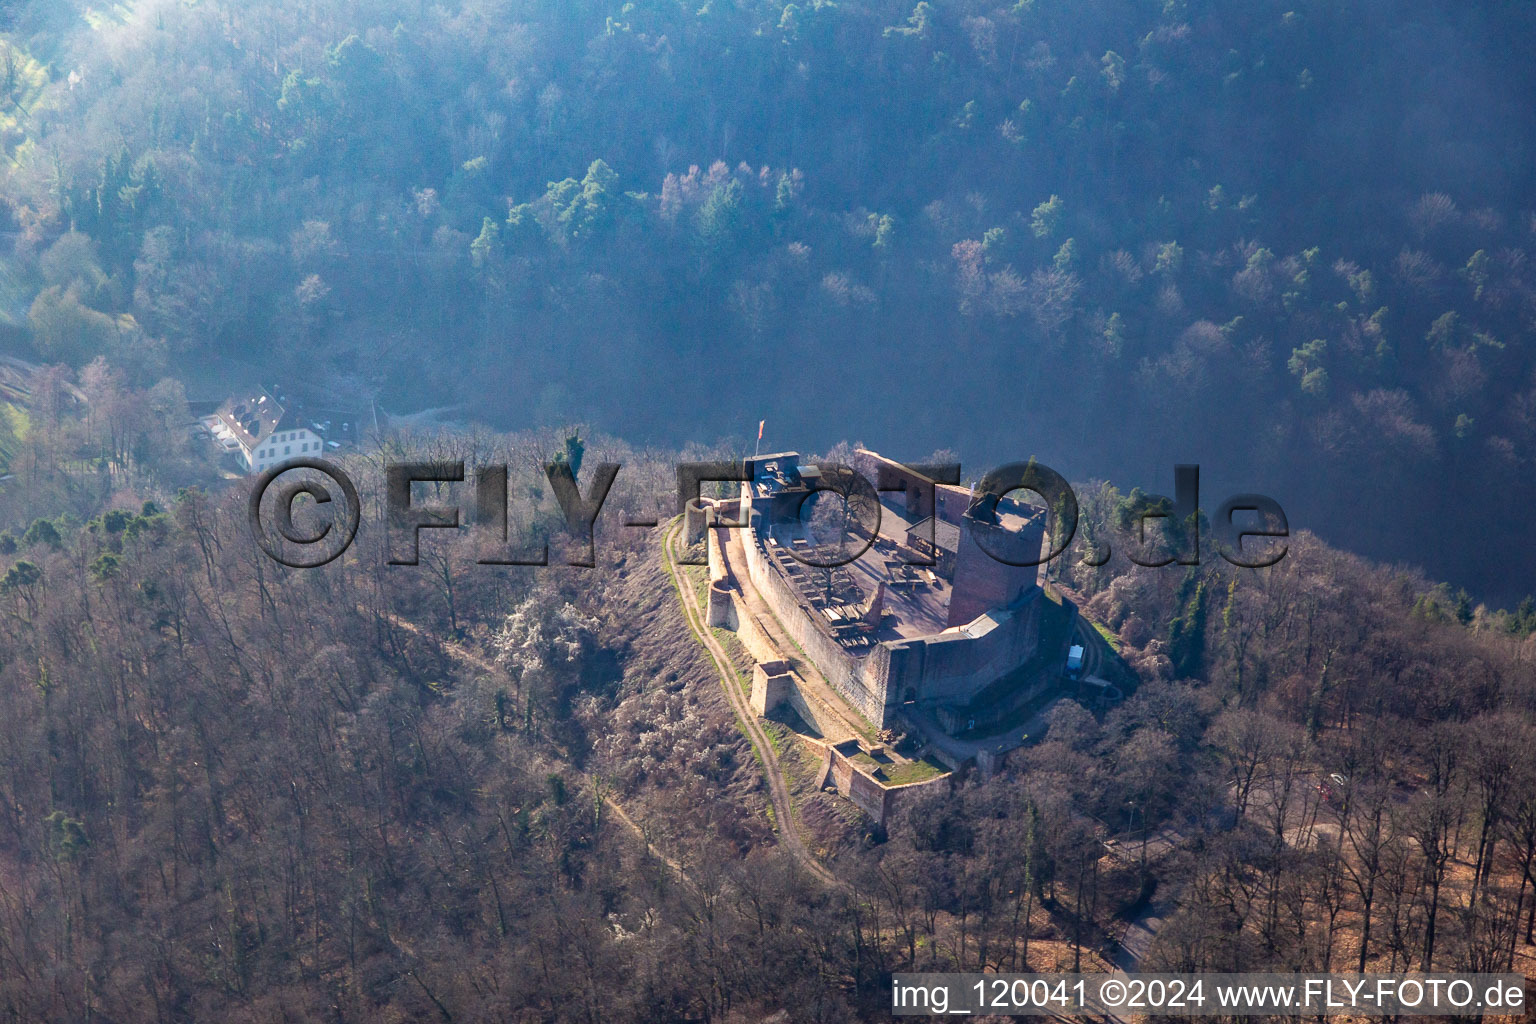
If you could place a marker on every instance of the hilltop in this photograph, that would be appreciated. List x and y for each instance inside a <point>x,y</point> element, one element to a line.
<point>454,771</point>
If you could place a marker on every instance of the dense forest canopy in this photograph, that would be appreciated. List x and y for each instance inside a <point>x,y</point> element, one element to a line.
<point>1290,241</point>
<point>1285,240</point>
<point>466,793</point>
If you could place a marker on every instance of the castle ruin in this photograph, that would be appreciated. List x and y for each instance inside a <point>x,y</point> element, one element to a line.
<point>924,628</point>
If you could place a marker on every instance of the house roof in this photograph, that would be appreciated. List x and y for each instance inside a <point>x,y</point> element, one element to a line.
<point>330,424</point>
<point>945,535</point>
<point>251,418</point>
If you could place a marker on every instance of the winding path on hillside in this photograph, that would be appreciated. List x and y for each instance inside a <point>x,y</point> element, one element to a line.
<point>778,788</point>
<point>697,619</point>
<point>460,653</point>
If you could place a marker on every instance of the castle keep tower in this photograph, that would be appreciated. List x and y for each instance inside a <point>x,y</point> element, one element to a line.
<point>1008,529</point>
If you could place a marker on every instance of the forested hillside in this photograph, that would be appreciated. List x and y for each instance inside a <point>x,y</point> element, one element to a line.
<point>1286,240</point>
<point>468,793</point>
<point>1290,240</point>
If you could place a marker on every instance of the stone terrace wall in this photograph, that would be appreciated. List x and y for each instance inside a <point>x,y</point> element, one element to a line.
<point>813,712</point>
<point>864,791</point>
<point>874,798</point>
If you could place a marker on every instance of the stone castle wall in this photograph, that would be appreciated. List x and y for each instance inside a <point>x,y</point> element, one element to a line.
<point>945,668</point>
<point>864,791</point>
<point>948,668</point>
<point>845,673</point>
<point>774,682</point>
<point>953,667</point>
<point>871,796</point>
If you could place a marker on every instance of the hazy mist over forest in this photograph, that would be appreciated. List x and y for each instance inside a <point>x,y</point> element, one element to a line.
<point>696,775</point>
<point>1115,235</point>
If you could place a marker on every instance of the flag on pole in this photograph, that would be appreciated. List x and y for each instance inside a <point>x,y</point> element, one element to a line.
<point>760,425</point>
